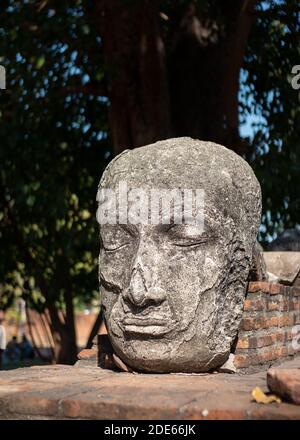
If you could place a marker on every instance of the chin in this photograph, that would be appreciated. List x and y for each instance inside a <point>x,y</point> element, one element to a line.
<point>152,364</point>
<point>155,355</point>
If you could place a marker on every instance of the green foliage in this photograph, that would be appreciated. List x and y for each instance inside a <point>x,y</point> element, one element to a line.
<point>53,137</point>
<point>272,51</point>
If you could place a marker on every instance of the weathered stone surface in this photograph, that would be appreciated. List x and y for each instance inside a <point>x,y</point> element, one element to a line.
<point>65,392</point>
<point>258,269</point>
<point>285,383</point>
<point>284,266</point>
<point>229,366</point>
<point>173,297</point>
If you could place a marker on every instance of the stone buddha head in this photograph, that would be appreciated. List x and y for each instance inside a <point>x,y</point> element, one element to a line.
<point>173,284</point>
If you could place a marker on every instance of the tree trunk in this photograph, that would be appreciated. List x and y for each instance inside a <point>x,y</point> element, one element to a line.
<point>65,348</point>
<point>71,347</point>
<point>136,71</point>
<point>204,70</point>
<point>192,93</point>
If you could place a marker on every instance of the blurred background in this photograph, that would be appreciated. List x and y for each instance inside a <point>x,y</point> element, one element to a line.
<point>86,79</point>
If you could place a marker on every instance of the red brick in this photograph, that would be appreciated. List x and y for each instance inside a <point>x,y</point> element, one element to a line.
<point>33,405</point>
<point>248,324</point>
<point>242,361</point>
<point>264,341</point>
<point>282,351</point>
<point>283,411</point>
<point>266,356</point>
<point>257,305</point>
<point>258,286</point>
<point>294,304</point>
<point>284,305</point>
<point>257,341</point>
<point>258,323</point>
<point>87,354</point>
<point>242,344</point>
<point>291,350</point>
<point>273,305</point>
<point>104,394</point>
<point>191,412</point>
<point>247,304</point>
<point>297,318</point>
<point>275,289</point>
<point>289,335</point>
<point>285,320</point>
<point>272,322</point>
<point>296,291</point>
<point>285,383</point>
<point>281,337</point>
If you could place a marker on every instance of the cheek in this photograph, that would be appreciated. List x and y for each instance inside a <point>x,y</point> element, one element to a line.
<point>180,277</point>
<point>188,273</point>
<point>215,265</point>
<point>108,300</point>
<point>116,266</point>
<point>212,270</point>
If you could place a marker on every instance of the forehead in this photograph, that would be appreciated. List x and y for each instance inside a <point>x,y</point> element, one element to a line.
<point>229,185</point>
<point>179,167</point>
<point>211,225</point>
<point>206,191</point>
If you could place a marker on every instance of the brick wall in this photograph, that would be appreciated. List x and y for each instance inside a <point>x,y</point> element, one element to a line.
<point>267,332</point>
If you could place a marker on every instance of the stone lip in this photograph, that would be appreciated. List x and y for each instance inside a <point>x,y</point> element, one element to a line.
<point>67,392</point>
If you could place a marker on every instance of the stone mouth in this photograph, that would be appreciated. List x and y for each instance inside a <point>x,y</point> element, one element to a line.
<point>143,322</point>
<point>151,320</point>
<point>152,326</point>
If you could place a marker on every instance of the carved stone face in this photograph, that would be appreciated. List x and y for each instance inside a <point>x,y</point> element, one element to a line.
<point>173,293</point>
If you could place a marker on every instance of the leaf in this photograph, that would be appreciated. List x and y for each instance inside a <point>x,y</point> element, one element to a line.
<point>260,397</point>
<point>40,62</point>
<point>85,214</point>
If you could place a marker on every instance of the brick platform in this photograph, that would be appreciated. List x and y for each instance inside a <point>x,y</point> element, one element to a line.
<point>65,392</point>
<point>266,332</point>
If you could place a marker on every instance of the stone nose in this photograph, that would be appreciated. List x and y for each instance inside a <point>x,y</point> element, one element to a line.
<point>138,292</point>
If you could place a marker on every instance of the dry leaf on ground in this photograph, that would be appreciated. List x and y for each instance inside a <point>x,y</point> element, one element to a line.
<point>260,397</point>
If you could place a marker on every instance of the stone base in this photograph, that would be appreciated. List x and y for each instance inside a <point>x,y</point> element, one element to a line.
<point>66,392</point>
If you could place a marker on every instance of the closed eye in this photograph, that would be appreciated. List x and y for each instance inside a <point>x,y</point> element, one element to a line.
<point>117,248</point>
<point>190,243</point>
<point>115,238</point>
<point>188,236</point>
